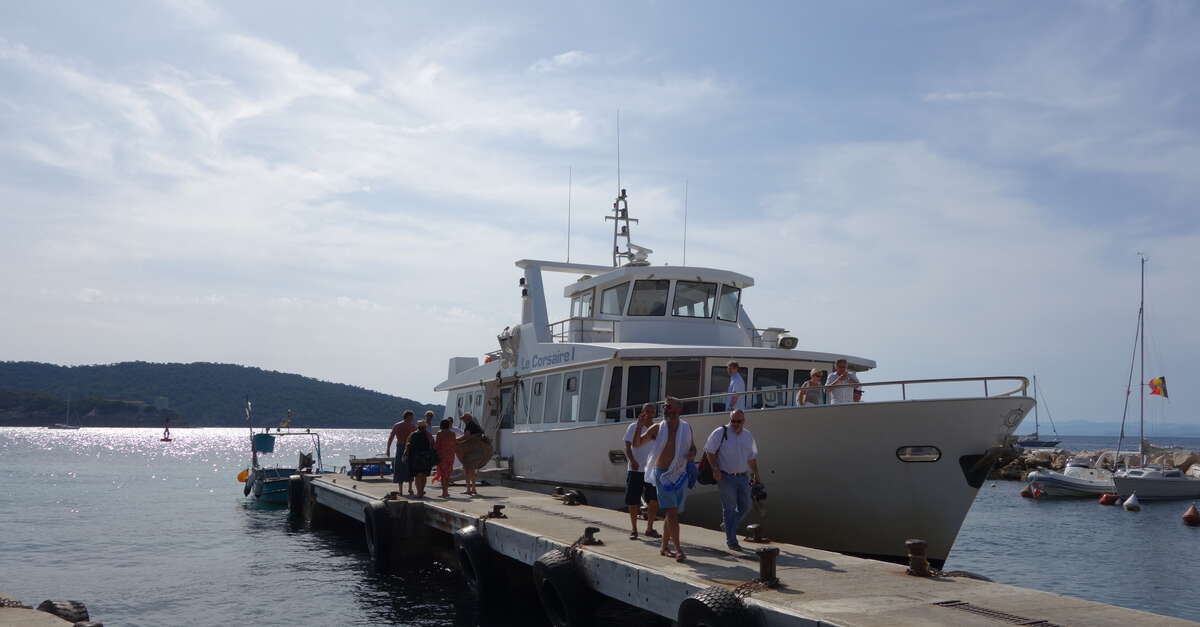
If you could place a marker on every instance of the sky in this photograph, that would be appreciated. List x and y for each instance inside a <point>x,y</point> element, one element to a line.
<point>951,189</point>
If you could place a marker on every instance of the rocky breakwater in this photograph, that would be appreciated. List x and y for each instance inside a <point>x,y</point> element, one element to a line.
<point>1017,467</point>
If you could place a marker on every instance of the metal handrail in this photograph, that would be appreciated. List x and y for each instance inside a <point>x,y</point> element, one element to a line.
<point>563,334</point>
<point>1024,384</point>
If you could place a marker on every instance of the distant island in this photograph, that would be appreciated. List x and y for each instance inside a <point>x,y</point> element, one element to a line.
<point>143,394</point>
<point>1096,427</point>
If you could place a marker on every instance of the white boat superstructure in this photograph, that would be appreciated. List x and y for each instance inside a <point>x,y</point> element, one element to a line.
<point>560,395</point>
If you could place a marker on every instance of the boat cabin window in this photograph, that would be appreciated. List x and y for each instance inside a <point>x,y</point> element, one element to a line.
<point>770,379</point>
<point>506,408</point>
<point>694,300</point>
<point>478,404</point>
<point>589,396</point>
<point>460,404</point>
<point>644,387</point>
<point>554,386</point>
<point>649,298</point>
<point>581,305</point>
<point>612,300</point>
<point>719,384</point>
<point>727,307</point>
<point>537,400</point>
<point>614,395</point>
<point>570,399</point>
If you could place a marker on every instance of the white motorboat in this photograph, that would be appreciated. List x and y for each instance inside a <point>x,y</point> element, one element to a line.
<point>857,477</point>
<point>1081,477</point>
<point>1151,483</point>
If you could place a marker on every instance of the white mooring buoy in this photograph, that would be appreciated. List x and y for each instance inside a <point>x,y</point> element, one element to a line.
<point>1131,504</point>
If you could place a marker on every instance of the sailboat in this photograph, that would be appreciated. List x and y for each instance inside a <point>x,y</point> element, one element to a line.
<point>1033,440</point>
<point>1151,482</point>
<point>67,424</point>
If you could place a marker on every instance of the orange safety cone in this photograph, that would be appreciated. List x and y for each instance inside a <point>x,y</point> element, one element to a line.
<point>1191,517</point>
<point>1131,504</point>
<point>1110,499</point>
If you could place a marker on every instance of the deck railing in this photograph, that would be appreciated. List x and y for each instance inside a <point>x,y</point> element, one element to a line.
<point>768,398</point>
<point>583,330</point>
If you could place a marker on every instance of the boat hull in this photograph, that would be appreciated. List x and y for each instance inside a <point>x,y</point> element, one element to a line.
<point>1057,484</point>
<point>832,473</point>
<point>270,485</point>
<point>1159,488</point>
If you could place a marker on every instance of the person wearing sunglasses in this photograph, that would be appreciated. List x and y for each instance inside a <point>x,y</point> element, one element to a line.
<point>733,454</point>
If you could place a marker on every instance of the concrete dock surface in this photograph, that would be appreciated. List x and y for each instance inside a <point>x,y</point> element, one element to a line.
<point>817,587</point>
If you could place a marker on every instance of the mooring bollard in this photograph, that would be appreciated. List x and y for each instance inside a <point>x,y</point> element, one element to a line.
<point>755,531</point>
<point>589,536</point>
<point>559,490</point>
<point>497,512</point>
<point>766,565</point>
<point>918,566</point>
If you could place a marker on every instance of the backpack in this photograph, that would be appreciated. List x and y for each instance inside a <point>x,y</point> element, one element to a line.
<point>706,474</point>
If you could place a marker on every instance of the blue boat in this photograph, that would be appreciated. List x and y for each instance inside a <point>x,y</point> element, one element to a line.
<point>269,483</point>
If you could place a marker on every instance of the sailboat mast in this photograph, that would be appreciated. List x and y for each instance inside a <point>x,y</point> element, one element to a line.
<point>1141,382</point>
<point>1037,427</point>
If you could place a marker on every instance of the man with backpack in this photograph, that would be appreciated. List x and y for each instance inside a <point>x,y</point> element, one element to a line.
<point>733,455</point>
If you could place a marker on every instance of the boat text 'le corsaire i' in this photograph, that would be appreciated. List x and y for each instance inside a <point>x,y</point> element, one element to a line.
<point>855,477</point>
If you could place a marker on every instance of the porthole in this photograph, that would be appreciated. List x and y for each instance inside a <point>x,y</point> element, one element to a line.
<point>918,454</point>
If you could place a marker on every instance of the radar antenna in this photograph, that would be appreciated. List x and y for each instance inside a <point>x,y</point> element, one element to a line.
<point>633,254</point>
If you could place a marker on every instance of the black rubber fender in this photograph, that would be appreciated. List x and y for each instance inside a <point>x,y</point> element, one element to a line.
<point>564,594</point>
<point>314,512</point>
<point>377,528</point>
<point>713,607</point>
<point>475,560</point>
<point>249,484</point>
<point>296,495</point>
<point>72,611</point>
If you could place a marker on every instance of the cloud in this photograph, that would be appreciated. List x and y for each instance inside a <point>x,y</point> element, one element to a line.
<point>566,61</point>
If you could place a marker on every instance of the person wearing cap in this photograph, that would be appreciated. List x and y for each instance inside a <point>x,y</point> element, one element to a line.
<point>808,396</point>
<point>843,377</point>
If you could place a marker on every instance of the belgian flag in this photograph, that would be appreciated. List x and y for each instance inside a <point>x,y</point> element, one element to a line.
<point>1158,385</point>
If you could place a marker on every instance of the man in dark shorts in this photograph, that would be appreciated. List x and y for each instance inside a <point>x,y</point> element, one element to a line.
<point>636,487</point>
<point>400,432</point>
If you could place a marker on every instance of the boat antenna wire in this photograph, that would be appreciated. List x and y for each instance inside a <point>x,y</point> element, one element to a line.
<point>1042,394</point>
<point>570,175</point>
<point>685,209</point>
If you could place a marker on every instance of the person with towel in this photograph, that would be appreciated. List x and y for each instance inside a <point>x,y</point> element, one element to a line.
<point>667,464</point>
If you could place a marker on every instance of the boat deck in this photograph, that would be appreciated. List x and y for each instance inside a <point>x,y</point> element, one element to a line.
<point>818,587</point>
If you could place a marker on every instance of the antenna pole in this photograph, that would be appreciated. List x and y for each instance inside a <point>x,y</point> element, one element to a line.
<point>570,175</point>
<point>618,152</point>
<point>1142,382</point>
<point>685,209</point>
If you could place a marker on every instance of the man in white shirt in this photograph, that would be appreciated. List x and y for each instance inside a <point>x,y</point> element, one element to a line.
<point>843,377</point>
<point>733,454</point>
<point>636,487</point>
<point>737,387</point>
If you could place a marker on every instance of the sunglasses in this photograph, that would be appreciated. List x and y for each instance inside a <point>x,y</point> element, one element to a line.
<point>736,422</point>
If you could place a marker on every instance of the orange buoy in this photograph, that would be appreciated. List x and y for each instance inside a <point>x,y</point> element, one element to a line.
<point>1110,499</point>
<point>1131,503</point>
<point>1027,491</point>
<point>1191,517</point>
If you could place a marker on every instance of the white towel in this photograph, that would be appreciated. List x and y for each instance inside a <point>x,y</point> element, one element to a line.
<point>683,443</point>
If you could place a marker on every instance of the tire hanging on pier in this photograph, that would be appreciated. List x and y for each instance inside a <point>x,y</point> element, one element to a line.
<point>713,607</point>
<point>565,596</point>
<point>474,558</point>
<point>377,527</point>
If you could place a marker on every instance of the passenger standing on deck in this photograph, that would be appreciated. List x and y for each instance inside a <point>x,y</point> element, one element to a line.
<point>673,449</point>
<point>811,397</point>
<point>400,432</point>
<point>635,474</point>
<point>843,377</point>
<point>470,460</point>
<point>444,444</point>
<point>737,387</point>
<point>733,453</point>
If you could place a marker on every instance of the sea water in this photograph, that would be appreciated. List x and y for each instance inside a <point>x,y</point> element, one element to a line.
<point>159,533</point>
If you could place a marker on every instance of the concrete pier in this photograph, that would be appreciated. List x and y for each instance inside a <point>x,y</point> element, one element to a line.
<point>814,587</point>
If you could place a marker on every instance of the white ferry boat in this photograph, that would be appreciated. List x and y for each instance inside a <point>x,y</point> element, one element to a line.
<point>858,478</point>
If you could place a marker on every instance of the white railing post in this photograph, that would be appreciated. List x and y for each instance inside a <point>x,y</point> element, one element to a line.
<point>903,393</point>
<point>985,390</point>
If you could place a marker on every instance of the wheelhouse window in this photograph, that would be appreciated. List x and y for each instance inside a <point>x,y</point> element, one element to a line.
<point>644,387</point>
<point>581,305</point>
<point>694,300</point>
<point>769,379</point>
<point>612,300</point>
<point>649,298</point>
<point>727,307</point>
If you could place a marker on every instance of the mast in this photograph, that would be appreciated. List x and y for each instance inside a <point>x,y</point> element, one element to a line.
<point>1142,366</point>
<point>1037,428</point>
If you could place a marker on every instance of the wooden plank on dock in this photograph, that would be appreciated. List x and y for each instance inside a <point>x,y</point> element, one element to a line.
<point>818,587</point>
